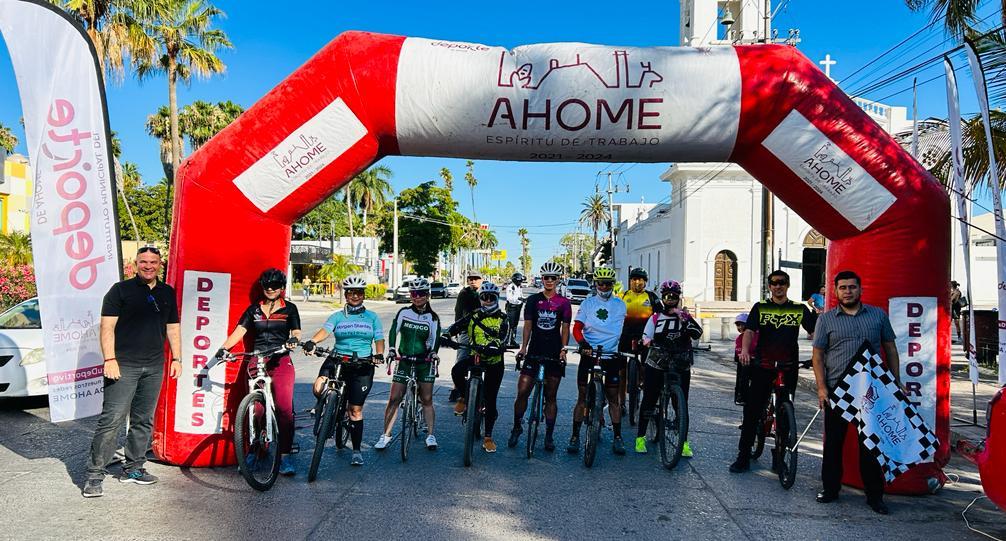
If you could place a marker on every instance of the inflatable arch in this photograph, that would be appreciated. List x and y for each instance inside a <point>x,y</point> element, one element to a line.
<point>365,96</point>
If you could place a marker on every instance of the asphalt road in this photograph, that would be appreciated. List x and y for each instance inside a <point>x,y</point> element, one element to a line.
<point>502,496</point>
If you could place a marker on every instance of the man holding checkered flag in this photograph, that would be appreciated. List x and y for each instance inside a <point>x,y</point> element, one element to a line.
<point>839,334</point>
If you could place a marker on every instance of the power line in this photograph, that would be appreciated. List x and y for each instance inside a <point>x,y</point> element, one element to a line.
<point>890,50</point>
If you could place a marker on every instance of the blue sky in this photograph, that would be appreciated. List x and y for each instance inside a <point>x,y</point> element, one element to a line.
<point>272,41</point>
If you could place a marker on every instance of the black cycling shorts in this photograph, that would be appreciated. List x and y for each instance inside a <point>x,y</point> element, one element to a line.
<point>612,366</point>
<point>359,380</point>
<point>553,369</point>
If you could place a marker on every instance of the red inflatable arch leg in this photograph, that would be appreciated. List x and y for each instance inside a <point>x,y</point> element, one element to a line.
<point>365,96</point>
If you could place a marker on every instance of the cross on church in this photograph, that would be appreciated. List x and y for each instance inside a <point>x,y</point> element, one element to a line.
<point>827,63</point>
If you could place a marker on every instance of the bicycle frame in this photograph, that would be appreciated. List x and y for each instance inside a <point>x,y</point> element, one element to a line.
<point>260,382</point>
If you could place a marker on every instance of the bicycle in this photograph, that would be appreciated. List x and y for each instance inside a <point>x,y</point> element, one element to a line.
<point>330,412</point>
<point>474,407</point>
<point>594,404</point>
<point>633,381</point>
<point>412,415</point>
<point>779,421</point>
<point>536,411</point>
<point>670,419</point>
<point>256,432</point>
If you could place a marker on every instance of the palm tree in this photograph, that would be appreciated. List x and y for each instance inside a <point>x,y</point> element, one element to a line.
<point>7,139</point>
<point>159,126</point>
<point>16,248</point>
<point>936,142</point>
<point>525,260</point>
<point>371,189</point>
<point>594,213</point>
<point>201,120</point>
<point>180,32</point>
<point>113,27</point>
<point>958,16</point>
<point>448,177</point>
<point>472,182</point>
<point>338,270</point>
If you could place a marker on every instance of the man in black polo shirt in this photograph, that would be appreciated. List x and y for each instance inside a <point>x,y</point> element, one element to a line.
<point>137,315</point>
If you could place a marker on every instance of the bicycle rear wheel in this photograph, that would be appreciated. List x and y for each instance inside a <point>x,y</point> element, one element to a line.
<point>256,443</point>
<point>472,419</point>
<point>326,420</point>
<point>595,413</point>
<point>785,424</point>
<point>672,430</point>
<point>534,420</point>
<point>632,382</point>
<point>408,420</point>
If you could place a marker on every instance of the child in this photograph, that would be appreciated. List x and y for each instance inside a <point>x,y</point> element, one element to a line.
<point>743,372</point>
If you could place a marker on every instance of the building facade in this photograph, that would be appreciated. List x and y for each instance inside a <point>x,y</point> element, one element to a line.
<point>16,188</point>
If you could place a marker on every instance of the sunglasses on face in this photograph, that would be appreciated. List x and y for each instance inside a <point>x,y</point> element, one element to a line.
<point>487,297</point>
<point>354,292</point>
<point>419,294</point>
<point>151,249</point>
<point>778,283</point>
<point>605,284</point>
<point>549,278</point>
<point>273,285</point>
<point>671,297</point>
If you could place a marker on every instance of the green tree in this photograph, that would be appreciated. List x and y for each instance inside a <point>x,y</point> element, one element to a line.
<point>15,248</point>
<point>113,28</point>
<point>472,182</point>
<point>448,177</point>
<point>338,270</point>
<point>200,120</point>
<point>594,213</point>
<point>146,203</point>
<point>326,221</point>
<point>371,189</point>
<point>958,16</point>
<point>423,226</point>
<point>7,139</point>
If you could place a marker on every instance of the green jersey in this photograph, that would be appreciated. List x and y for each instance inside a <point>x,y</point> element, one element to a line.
<point>413,333</point>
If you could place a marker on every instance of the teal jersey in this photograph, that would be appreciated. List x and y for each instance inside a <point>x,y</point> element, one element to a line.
<point>413,333</point>
<point>354,333</point>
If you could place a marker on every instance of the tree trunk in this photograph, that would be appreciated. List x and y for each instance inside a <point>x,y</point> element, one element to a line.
<point>349,211</point>
<point>176,150</point>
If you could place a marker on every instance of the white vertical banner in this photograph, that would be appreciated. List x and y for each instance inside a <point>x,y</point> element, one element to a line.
<point>983,102</point>
<point>914,320</point>
<point>957,161</point>
<point>74,230</point>
<point>199,396</point>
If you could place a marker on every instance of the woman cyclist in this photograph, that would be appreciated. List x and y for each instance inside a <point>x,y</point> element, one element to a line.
<point>486,327</point>
<point>415,332</point>
<point>355,329</point>
<point>673,329</point>
<point>272,323</point>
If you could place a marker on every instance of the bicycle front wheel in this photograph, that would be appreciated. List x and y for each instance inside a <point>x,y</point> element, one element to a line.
<point>632,382</point>
<point>595,417</point>
<point>408,420</point>
<point>472,420</point>
<point>672,429</point>
<point>341,425</point>
<point>786,444</point>
<point>326,420</point>
<point>762,431</point>
<point>256,443</point>
<point>534,420</point>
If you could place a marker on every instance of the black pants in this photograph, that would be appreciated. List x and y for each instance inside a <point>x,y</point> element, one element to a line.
<point>513,318</point>
<point>742,380</point>
<point>762,384</point>
<point>135,394</point>
<point>492,378</point>
<point>835,430</point>
<point>653,384</point>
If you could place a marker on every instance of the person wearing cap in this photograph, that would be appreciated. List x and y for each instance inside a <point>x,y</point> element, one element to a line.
<point>743,379</point>
<point>466,305</point>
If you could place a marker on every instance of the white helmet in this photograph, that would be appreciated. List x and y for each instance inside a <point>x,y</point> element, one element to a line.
<point>550,268</point>
<point>419,284</point>
<point>489,287</point>
<point>354,282</point>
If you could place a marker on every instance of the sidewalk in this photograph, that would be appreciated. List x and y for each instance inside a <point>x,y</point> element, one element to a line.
<point>961,403</point>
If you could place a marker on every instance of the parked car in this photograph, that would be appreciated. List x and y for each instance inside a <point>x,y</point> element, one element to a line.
<point>22,363</point>
<point>402,293</point>
<point>575,289</point>
<point>438,290</point>
<point>453,289</point>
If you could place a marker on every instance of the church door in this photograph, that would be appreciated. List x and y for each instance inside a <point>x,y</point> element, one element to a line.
<point>725,276</point>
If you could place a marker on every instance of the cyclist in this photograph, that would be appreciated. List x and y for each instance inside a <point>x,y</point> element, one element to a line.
<point>466,304</point>
<point>273,322</point>
<point>546,330</point>
<point>640,304</point>
<point>673,329</point>
<point>356,330</point>
<point>777,320</point>
<point>486,327</point>
<point>599,324</point>
<point>513,302</point>
<point>415,332</point>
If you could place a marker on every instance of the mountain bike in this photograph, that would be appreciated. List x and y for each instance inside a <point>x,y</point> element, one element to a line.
<point>536,411</point>
<point>330,413</point>
<point>594,403</point>
<point>633,381</point>
<point>412,415</point>
<point>256,432</point>
<point>474,406</point>
<point>670,419</point>
<point>779,421</point>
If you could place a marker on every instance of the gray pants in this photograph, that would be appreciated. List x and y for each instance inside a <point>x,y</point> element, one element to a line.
<point>135,394</point>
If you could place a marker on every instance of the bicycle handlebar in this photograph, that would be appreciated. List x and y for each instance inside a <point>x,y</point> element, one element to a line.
<point>232,356</point>
<point>344,358</point>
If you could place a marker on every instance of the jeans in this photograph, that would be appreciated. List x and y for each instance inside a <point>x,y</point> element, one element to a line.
<point>135,394</point>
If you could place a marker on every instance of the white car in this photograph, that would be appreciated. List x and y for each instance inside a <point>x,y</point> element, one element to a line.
<point>453,289</point>
<point>22,363</point>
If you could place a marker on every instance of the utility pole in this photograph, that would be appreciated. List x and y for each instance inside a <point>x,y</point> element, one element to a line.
<point>394,255</point>
<point>613,188</point>
<point>767,237</point>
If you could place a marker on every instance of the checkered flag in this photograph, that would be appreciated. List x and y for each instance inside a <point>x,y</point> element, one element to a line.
<point>889,426</point>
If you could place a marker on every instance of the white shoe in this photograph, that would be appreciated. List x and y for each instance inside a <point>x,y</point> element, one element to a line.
<point>431,442</point>
<point>382,442</point>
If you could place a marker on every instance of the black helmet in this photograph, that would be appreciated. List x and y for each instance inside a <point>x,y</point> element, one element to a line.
<point>272,276</point>
<point>517,278</point>
<point>638,272</point>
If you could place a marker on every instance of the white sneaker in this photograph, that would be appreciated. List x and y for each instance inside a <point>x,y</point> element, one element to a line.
<point>382,442</point>
<point>431,442</point>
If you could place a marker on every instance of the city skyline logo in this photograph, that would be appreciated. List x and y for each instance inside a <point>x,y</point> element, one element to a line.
<point>523,76</point>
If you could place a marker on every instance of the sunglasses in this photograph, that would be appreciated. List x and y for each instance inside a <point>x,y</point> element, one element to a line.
<point>273,285</point>
<point>153,301</point>
<point>605,284</point>
<point>778,283</point>
<point>151,249</point>
<point>549,278</point>
<point>354,292</point>
<point>488,297</point>
<point>419,294</point>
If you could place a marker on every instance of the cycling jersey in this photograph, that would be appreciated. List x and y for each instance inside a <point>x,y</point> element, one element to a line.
<point>638,309</point>
<point>354,333</point>
<point>484,329</point>
<point>601,321</point>
<point>414,333</point>
<point>778,328</point>
<point>273,330</point>
<point>674,332</point>
<point>546,317</point>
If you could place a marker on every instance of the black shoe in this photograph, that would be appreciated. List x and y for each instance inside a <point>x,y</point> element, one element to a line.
<point>514,436</point>
<point>573,447</point>
<point>879,507</point>
<point>824,497</point>
<point>453,397</point>
<point>618,446</point>
<point>92,488</point>
<point>741,465</point>
<point>549,444</point>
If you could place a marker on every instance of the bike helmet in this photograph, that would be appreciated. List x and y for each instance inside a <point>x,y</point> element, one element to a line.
<point>638,272</point>
<point>354,282</point>
<point>550,268</point>
<point>604,274</point>
<point>272,276</point>
<point>489,287</point>
<point>670,287</point>
<point>419,284</point>
<point>517,278</point>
